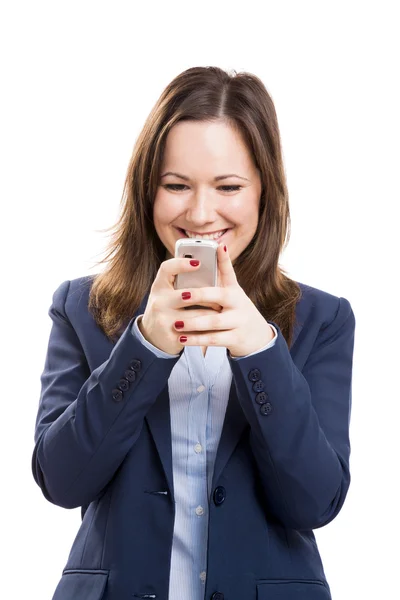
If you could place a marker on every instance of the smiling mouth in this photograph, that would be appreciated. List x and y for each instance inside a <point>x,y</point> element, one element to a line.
<point>182,231</point>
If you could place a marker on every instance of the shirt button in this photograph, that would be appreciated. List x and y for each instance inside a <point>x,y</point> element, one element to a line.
<point>199,511</point>
<point>201,388</point>
<point>198,448</point>
<point>203,576</point>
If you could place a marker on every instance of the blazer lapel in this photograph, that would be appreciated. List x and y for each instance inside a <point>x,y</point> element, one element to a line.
<point>234,424</point>
<point>159,421</point>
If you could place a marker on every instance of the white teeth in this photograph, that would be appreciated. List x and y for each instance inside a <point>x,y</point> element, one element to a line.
<point>212,236</point>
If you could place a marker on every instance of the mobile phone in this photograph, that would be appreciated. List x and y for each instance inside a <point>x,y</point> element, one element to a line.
<point>207,273</point>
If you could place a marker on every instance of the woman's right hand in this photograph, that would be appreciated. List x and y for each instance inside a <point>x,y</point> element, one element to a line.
<point>164,307</point>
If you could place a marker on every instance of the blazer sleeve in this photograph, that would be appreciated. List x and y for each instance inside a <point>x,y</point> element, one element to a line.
<point>84,429</point>
<point>301,439</point>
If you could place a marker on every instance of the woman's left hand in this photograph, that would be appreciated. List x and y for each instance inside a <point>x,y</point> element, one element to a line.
<point>239,326</point>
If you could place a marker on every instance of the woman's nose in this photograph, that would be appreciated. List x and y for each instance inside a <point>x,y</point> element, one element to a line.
<point>201,208</point>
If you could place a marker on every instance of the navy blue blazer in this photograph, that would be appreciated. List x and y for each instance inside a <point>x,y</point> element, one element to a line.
<point>103,443</point>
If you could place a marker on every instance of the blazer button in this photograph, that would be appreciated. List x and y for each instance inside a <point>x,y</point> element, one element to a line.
<point>123,384</point>
<point>130,375</point>
<point>117,395</point>
<point>254,375</point>
<point>266,409</point>
<point>258,386</point>
<point>261,398</point>
<point>217,596</point>
<point>219,495</point>
<point>135,365</point>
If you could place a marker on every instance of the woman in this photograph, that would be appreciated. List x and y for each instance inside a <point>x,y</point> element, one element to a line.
<point>203,446</point>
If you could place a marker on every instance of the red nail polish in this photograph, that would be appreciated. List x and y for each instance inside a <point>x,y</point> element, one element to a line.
<point>186,295</point>
<point>225,248</point>
<point>179,324</point>
<point>183,338</point>
<point>195,263</point>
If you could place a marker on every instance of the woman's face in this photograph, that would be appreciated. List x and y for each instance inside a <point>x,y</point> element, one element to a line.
<point>191,199</point>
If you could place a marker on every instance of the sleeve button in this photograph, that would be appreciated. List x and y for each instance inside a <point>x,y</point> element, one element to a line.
<point>117,395</point>
<point>123,384</point>
<point>135,365</point>
<point>258,386</point>
<point>254,375</point>
<point>261,398</point>
<point>266,409</point>
<point>130,375</point>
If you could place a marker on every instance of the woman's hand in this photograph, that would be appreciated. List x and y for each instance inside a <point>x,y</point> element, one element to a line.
<point>165,306</point>
<point>238,325</point>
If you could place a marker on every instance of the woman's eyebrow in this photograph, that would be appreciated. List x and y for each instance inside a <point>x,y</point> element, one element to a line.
<point>218,178</point>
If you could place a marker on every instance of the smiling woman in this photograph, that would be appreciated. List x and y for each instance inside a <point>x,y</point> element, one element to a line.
<point>208,159</point>
<point>201,475</point>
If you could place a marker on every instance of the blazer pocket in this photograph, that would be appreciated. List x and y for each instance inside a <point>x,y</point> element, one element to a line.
<point>291,589</point>
<point>81,584</point>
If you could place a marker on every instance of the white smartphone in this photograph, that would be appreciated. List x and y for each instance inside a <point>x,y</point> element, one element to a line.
<point>207,274</point>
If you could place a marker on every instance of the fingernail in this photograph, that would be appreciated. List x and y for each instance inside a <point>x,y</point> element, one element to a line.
<point>179,324</point>
<point>195,263</point>
<point>183,338</point>
<point>225,248</point>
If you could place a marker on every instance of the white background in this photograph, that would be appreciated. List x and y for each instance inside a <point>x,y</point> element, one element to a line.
<point>78,80</point>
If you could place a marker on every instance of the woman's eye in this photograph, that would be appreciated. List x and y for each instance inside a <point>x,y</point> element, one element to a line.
<point>173,186</point>
<point>177,187</point>
<point>231,188</point>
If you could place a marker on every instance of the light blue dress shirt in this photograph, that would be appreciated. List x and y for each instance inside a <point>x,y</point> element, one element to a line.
<point>199,391</point>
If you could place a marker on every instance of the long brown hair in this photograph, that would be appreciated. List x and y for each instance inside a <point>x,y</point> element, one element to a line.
<point>135,252</point>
